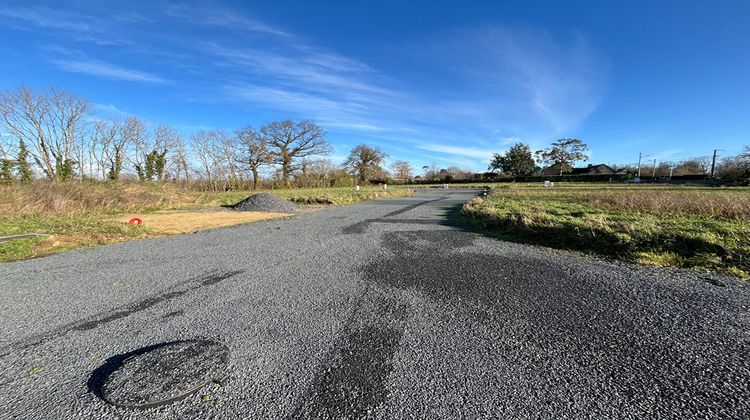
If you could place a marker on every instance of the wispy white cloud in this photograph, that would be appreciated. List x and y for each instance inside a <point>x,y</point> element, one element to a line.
<point>510,83</point>
<point>289,100</point>
<point>217,16</point>
<point>80,27</point>
<point>109,111</point>
<point>48,18</point>
<point>303,70</point>
<point>470,152</point>
<point>354,126</point>
<point>106,70</point>
<point>535,83</point>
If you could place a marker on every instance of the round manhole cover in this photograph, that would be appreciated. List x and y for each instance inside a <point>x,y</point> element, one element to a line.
<point>160,374</point>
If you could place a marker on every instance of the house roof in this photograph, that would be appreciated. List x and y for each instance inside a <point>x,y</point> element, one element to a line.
<point>593,170</point>
<point>551,170</point>
<point>600,169</point>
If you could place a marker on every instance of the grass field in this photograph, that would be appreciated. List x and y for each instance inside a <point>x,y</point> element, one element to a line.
<point>77,215</point>
<point>694,227</point>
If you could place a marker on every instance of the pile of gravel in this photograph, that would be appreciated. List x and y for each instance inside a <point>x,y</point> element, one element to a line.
<point>265,202</point>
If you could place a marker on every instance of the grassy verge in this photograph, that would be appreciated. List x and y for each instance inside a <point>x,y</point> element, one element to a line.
<point>691,227</point>
<point>305,196</point>
<point>90,214</point>
<point>67,232</point>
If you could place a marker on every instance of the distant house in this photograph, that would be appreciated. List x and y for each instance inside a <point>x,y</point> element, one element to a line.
<point>600,169</point>
<point>555,170</point>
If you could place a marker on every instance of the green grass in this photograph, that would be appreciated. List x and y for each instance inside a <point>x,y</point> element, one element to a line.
<point>74,214</point>
<point>66,233</point>
<point>700,228</point>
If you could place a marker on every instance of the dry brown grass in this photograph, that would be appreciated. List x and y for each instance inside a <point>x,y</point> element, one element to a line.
<point>704,203</point>
<point>171,222</point>
<point>71,198</point>
<point>693,227</point>
<point>724,203</point>
<point>48,198</point>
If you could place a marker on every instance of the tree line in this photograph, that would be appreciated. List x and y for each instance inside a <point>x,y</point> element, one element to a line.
<point>55,135</point>
<point>519,161</point>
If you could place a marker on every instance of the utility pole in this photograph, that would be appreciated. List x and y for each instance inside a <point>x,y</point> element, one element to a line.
<point>671,169</point>
<point>653,174</point>
<point>640,155</point>
<point>713,164</point>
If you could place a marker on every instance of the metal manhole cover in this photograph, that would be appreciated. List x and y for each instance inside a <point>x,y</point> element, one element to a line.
<point>160,374</point>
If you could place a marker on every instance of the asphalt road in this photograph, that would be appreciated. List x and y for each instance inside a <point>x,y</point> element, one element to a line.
<point>382,309</point>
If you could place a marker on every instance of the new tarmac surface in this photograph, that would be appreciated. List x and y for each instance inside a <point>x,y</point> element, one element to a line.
<point>385,309</point>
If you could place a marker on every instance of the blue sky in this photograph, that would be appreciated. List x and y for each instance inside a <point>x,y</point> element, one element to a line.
<point>427,81</point>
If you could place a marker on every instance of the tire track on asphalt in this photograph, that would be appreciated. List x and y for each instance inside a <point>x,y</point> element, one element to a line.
<point>122,311</point>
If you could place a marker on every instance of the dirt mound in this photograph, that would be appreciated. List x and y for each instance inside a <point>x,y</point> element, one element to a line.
<point>265,202</point>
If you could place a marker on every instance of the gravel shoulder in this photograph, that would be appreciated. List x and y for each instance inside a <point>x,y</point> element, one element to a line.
<point>383,309</point>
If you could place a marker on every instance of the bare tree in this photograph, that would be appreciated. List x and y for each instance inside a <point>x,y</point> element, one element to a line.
<point>102,138</point>
<point>228,153</point>
<point>402,170</point>
<point>7,147</point>
<point>201,144</point>
<point>206,146</point>
<point>181,160</point>
<point>120,136</point>
<point>138,143</point>
<point>458,174</point>
<point>51,121</point>
<point>294,141</point>
<point>430,172</point>
<point>693,166</point>
<point>256,151</point>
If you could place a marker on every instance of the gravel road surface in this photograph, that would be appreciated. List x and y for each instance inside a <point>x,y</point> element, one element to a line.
<point>385,309</point>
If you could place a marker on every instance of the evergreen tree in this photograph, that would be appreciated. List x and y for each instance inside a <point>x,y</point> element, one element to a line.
<point>517,161</point>
<point>150,163</point>
<point>564,152</point>
<point>22,163</point>
<point>64,168</point>
<point>116,166</point>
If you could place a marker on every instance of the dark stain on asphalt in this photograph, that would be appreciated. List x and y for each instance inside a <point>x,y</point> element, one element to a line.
<point>173,314</point>
<point>427,241</point>
<point>351,380</point>
<point>95,321</point>
<point>140,306</point>
<point>219,277</point>
<point>361,227</point>
<point>596,323</point>
<point>713,281</point>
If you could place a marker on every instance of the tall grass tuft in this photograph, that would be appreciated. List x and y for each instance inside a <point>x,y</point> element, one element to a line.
<point>68,198</point>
